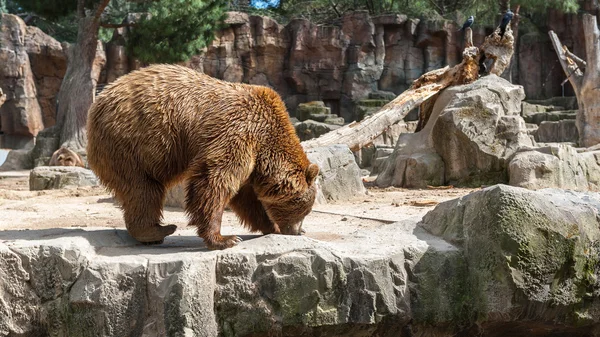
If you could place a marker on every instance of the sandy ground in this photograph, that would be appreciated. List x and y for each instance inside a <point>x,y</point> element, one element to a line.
<point>94,207</point>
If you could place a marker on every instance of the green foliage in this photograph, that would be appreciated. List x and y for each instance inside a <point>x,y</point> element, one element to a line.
<point>175,30</point>
<point>487,12</point>
<point>63,29</point>
<point>49,9</point>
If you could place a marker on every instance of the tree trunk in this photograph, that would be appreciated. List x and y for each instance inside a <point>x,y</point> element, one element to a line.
<point>77,90</point>
<point>584,81</point>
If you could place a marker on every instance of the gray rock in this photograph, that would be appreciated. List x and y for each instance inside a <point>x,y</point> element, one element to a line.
<point>478,130</point>
<point>554,116</point>
<point>57,177</point>
<point>379,157</point>
<point>17,160</point>
<point>306,111</point>
<point>561,131</point>
<point>364,156</point>
<point>521,255</point>
<point>334,120</point>
<point>473,128</point>
<point>558,166</point>
<point>529,109</point>
<point>413,115</point>
<point>339,175</point>
<point>382,95</point>
<point>568,102</point>
<point>310,129</point>
<point>99,282</point>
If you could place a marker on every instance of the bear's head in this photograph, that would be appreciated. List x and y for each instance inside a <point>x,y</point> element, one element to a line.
<point>288,212</point>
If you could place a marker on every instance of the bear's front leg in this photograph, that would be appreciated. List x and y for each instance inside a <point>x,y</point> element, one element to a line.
<point>251,212</point>
<point>206,199</point>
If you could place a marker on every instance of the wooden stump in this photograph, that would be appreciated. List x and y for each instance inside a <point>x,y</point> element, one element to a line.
<point>584,77</point>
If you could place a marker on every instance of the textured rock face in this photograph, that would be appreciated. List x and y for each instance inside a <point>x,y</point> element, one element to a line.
<point>471,134</point>
<point>17,160</point>
<point>339,175</point>
<point>49,64</point>
<point>542,246</point>
<point>99,282</point>
<point>56,177</point>
<point>512,261</point>
<point>479,128</point>
<point>557,166</point>
<point>20,115</point>
<point>557,132</point>
<point>310,129</point>
<point>338,65</point>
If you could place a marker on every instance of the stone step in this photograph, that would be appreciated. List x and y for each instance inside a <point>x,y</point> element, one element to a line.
<point>569,102</point>
<point>539,117</point>
<point>306,111</point>
<point>557,131</point>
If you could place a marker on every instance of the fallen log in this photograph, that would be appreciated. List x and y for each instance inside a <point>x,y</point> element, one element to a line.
<point>360,134</point>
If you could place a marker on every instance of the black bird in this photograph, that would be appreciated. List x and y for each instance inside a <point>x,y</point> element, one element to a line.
<point>505,21</point>
<point>467,23</point>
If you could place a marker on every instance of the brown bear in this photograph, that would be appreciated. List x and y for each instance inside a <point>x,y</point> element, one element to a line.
<point>66,157</point>
<point>233,143</point>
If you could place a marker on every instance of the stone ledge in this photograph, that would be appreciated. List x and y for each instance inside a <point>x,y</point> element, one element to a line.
<point>488,267</point>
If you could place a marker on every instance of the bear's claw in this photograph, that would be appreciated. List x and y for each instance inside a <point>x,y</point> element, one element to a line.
<point>222,242</point>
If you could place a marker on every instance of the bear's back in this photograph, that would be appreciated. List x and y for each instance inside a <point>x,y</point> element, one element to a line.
<point>171,113</point>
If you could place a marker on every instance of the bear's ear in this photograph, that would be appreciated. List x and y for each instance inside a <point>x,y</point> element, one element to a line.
<point>311,173</point>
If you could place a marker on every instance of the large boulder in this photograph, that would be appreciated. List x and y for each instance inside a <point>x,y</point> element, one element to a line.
<point>48,63</point>
<point>522,257</point>
<point>57,177</point>
<point>557,166</point>
<point>479,128</point>
<point>21,115</point>
<point>471,134</point>
<point>339,175</point>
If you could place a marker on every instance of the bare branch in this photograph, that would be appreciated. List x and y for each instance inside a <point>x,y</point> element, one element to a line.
<point>571,70</point>
<point>580,62</point>
<point>334,6</point>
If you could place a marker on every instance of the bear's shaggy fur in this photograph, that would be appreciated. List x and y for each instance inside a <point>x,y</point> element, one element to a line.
<point>233,143</point>
<point>66,157</point>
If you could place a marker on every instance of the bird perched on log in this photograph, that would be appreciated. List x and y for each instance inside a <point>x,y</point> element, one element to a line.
<point>467,23</point>
<point>505,21</point>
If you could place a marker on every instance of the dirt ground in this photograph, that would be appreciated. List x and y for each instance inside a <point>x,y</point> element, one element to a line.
<point>94,207</point>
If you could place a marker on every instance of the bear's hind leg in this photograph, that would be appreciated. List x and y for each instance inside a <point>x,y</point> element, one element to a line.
<point>142,204</point>
<point>251,212</point>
